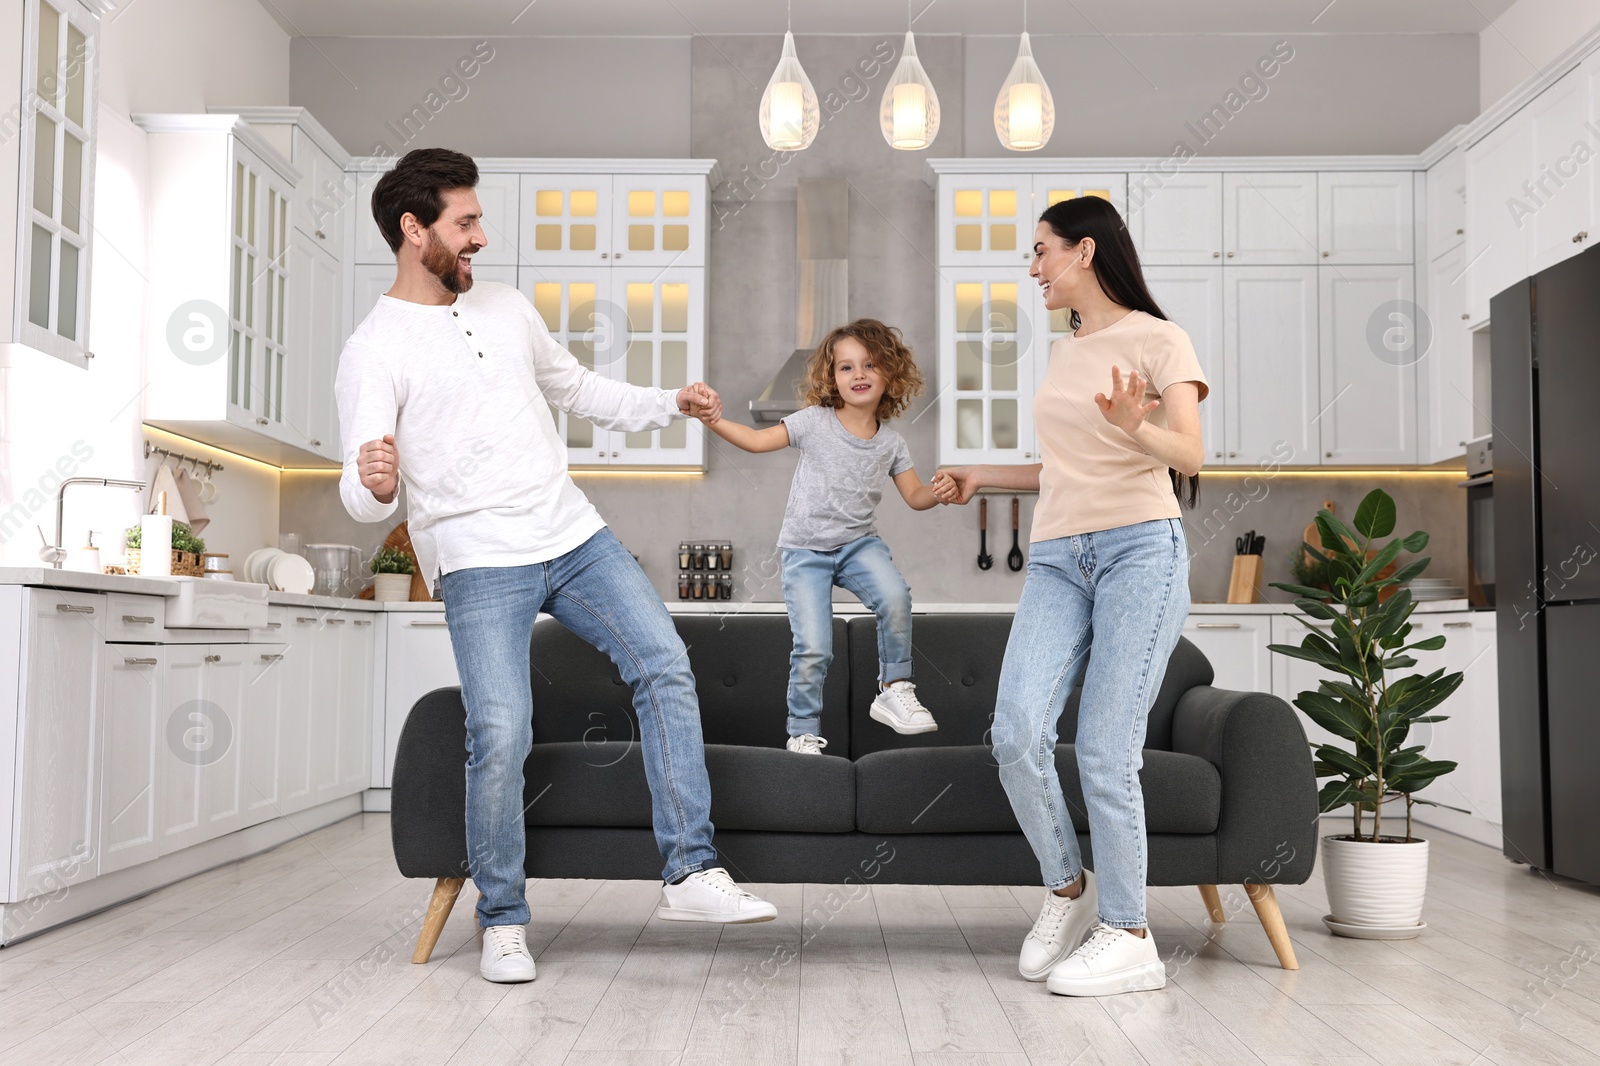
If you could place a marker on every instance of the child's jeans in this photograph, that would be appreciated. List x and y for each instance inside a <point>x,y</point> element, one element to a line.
<point>864,568</point>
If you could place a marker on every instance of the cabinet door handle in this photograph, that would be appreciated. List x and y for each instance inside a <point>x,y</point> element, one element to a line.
<point>605,255</point>
<point>337,621</point>
<point>1218,255</point>
<point>274,625</point>
<point>1230,255</point>
<point>316,443</point>
<point>617,256</point>
<point>362,622</point>
<point>138,662</point>
<point>1459,232</point>
<point>1466,315</point>
<point>1324,255</point>
<point>321,236</point>
<point>74,608</point>
<point>1581,236</point>
<point>213,658</point>
<point>1216,625</point>
<point>1458,625</point>
<point>261,421</point>
<point>139,618</point>
<point>304,620</point>
<point>271,658</point>
<point>426,622</point>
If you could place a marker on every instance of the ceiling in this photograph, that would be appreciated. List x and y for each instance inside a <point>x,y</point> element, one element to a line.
<point>679,18</point>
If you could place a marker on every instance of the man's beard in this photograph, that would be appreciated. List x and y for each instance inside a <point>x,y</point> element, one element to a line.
<point>441,263</point>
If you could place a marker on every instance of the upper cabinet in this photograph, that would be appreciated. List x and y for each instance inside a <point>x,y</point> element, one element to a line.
<point>1497,240</point>
<point>1179,221</point>
<point>988,219</point>
<point>1269,218</point>
<point>1365,216</point>
<point>1555,205</point>
<point>601,219</point>
<point>1447,203</point>
<point>52,153</point>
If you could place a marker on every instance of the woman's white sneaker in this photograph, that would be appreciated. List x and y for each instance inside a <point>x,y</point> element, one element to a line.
<point>1111,961</point>
<point>711,896</point>
<point>1061,925</point>
<point>505,958</point>
<point>898,708</point>
<point>807,744</point>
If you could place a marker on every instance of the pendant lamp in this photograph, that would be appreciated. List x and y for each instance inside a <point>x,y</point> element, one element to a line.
<point>909,113</point>
<point>1024,113</point>
<point>789,113</point>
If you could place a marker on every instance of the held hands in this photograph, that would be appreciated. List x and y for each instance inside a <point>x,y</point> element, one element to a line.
<point>1123,409</point>
<point>378,462</point>
<point>701,401</point>
<point>955,485</point>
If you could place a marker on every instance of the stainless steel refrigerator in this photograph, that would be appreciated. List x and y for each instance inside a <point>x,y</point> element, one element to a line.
<point>1545,360</point>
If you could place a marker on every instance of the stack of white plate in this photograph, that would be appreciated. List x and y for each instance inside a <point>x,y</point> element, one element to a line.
<point>1424,589</point>
<point>280,570</point>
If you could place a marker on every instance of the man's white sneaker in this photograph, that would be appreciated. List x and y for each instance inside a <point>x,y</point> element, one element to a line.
<point>505,957</point>
<point>1111,961</point>
<point>807,744</point>
<point>711,896</point>
<point>1062,924</point>
<point>898,708</point>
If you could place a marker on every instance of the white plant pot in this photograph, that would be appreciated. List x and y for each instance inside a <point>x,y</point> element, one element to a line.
<point>389,588</point>
<point>1375,885</point>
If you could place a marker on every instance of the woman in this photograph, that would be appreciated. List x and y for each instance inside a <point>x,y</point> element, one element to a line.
<point>1109,563</point>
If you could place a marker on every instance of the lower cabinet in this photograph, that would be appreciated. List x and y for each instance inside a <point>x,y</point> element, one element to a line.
<point>261,740</point>
<point>1236,644</point>
<point>419,660</point>
<point>132,720</point>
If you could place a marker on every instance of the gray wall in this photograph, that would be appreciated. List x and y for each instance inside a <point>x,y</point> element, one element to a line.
<point>892,277</point>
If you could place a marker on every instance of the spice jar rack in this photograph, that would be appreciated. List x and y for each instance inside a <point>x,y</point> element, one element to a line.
<point>705,570</point>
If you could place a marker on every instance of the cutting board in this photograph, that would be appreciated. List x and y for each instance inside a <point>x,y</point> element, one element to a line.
<point>400,538</point>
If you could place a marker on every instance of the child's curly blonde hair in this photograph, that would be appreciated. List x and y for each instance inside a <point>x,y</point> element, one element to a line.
<point>902,379</point>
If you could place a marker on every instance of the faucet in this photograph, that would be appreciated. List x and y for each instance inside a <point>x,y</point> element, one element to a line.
<point>55,553</point>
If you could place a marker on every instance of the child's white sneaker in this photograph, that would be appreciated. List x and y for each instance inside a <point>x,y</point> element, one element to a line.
<point>807,744</point>
<point>1111,961</point>
<point>898,708</point>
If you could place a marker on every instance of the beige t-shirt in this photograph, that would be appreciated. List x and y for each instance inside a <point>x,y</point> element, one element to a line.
<point>1095,476</point>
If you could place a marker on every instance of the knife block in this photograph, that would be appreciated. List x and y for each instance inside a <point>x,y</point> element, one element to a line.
<point>1244,586</point>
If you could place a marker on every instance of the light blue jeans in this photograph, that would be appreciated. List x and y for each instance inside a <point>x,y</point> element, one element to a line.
<point>1126,590</point>
<point>598,591</point>
<point>862,567</point>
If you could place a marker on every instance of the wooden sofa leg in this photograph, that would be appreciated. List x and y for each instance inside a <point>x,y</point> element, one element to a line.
<point>445,892</point>
<point>1266,904</point>
<point>1213,903</point>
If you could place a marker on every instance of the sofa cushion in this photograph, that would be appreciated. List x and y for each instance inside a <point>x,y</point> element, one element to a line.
<point>741,671</point>
<point>578,784</point>
<point>958,790</point>
<point>956,659</point>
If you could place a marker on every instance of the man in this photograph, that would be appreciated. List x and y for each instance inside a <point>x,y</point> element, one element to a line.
<point>455,378</point>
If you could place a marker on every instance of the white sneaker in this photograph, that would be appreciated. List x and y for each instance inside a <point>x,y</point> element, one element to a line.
<point>898,708</point>
<point>505,957</point>
<point>1112,960</point>
<point>1061,926</point>
<point>711,896</point>
<point>807,744</point>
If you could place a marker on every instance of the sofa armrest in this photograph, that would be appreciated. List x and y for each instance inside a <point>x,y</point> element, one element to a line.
<point>1267,829</point>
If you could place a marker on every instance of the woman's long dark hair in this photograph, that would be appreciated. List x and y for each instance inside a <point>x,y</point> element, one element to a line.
<point>1116,267</point>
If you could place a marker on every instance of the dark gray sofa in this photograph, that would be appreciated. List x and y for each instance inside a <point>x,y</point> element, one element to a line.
<point>1230,797</point>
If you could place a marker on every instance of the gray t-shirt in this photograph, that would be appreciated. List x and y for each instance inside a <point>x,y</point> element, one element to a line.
<point>839,481</point>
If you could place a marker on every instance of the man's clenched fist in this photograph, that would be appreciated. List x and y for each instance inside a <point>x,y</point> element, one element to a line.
<point>379,465</point>
<point>700,401</point>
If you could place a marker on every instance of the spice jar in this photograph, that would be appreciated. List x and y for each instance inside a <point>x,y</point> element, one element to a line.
<point>683,586</point>
<point>683,555</point>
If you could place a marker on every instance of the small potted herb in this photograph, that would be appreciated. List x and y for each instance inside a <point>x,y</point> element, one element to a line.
<point>392,569</point>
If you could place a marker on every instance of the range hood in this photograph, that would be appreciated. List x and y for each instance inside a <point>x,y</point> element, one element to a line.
<point>822,281</point>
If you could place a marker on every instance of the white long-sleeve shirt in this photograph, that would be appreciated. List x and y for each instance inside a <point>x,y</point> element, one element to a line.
<point>464,388</point>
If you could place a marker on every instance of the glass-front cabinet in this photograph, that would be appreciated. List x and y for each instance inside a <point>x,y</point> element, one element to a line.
<point>602,219</point>
<point>987,362</point>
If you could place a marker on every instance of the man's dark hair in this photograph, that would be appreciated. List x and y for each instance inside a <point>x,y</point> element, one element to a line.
<point>416,186</point>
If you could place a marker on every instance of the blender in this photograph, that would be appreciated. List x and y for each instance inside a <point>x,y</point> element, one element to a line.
<point>336,567</point>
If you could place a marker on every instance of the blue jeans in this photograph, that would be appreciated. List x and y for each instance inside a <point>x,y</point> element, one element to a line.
<point>598,591</point>
<point>1127,591</point>
<point>864,568</point>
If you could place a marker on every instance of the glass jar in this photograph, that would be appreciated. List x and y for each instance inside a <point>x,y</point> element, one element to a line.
<point>683,586</point>
<point>683,555</point>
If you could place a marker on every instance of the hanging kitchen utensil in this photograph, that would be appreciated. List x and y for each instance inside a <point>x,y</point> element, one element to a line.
<point>985,560</point>
<point>1014,557</point>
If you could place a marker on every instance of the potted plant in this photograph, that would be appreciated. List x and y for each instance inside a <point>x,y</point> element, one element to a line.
<point>1375,881</point>
<point>393,569</point>
<point>186,550</point>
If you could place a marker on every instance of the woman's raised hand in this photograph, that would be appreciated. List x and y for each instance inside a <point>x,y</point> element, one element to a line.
<point>955,484</point>
<point>1122,408</point>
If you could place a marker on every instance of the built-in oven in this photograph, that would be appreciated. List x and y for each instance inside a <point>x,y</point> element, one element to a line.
<point>1480,522</point>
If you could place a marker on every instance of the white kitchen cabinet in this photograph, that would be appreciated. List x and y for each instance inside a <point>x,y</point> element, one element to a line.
<point>1444,375</point>
<point>50,146</point>
<point>132,706</point>
<point>1269,218</point>
<point>1554,206</point>
<point>357,702</point>
<point>629,217</point>
<point>1236,645</point>
<point>325,696</point>
<point>576,306</point>
<point>1368,355</point>
<point>989,320</point>
<point>57,789</point>
<point>1365,216</point>
<point>419,659</point>
<point>986,220</point>
<point>658,220</point>
<point>1191,296</point>
<point>259,740</point>
<point>1178,221</point>
<point>218,744</point>
<point>1447,203</point>
<point>316,293</point>
<point>1497,238</point>
<point>189,728</point>
<point>1052,187</point>
<point>295,711</point>
<point>565,220</point>
<point>1271,363</point>
<point>324,193</point>
<point>1470,735</point>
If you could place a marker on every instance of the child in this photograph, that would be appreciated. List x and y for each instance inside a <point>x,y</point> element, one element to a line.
<point>861,376</point>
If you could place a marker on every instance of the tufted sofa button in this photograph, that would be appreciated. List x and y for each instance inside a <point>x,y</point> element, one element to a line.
<point>968,680</point>
<point>729,680</point>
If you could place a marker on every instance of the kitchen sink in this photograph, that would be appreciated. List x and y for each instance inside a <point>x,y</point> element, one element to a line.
<point>205,603</point>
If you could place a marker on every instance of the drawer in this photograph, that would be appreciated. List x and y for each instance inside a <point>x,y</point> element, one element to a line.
<point>277,627</point>
<point>135,619</point>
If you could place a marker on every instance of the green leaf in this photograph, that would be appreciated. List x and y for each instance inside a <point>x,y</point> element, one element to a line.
<point>1334,715</point>
<point>1316,609</point>
<point>1433,643</point>
<point>1398,662</point>
<point>1336,794</point>
<point>1386,555</point>
<point>1344,760</point>
<point>1415,542</point>
<point>1300,590</point>
<point>1410,570</point>
<point>1375,515</point>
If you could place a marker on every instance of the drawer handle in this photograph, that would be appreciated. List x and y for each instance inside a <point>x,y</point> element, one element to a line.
<point>274,625</point>
<point>1581,236</point>
<point>1458,625</point>
<point>266,658</point>
<point>304,620</point>
<point>213,658</point>
<point>138,662</point>
<point>139,618</point>
<point>74,608</point>
<point>337,621</point>
<point>362,622</point>
<point>1216,625</point>
<point>426,622</point>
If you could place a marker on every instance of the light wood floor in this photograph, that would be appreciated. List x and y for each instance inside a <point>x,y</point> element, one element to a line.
<point>302,955</point>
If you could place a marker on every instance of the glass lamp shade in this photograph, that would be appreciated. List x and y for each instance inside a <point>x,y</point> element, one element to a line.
<point>909,113</point>
<point>1024,113</point>
<point>789,113</point>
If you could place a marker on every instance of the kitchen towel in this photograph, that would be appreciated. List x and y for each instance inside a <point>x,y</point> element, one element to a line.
<point>189,497</point>
<point>163,481</point>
